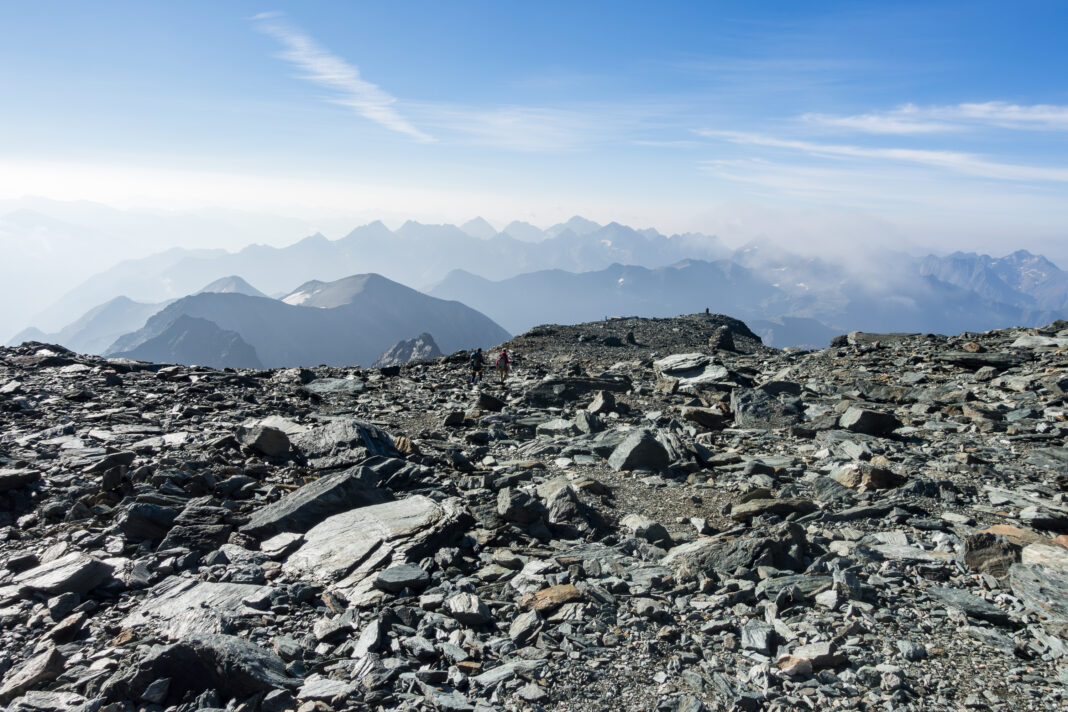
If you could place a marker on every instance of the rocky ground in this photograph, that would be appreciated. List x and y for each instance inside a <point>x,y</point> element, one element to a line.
<point>649,514</point>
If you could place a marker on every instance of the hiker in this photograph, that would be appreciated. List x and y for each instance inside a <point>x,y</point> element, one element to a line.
<point>504,363</point>
<point>476,366</point>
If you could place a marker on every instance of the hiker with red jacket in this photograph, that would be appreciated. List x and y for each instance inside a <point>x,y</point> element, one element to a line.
<point>504,364</point>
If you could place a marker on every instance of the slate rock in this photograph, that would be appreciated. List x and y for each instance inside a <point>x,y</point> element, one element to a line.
<point>310,504</point>
<point>232,666</point>
<point>143,520</point>
<point>468,609</point>
<point>43,667</point>
<point>639,451</point>
<point>72,573</point>
<point>971,604</point>
<point>870,422</point>
<point>266,440</point>
<point>989,554</point>
<point>13,479</point>
<point>756,408</point>
<point>341,435</point>
<point>397,578</point>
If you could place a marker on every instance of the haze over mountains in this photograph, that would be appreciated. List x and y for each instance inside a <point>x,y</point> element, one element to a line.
<point>516,278</point>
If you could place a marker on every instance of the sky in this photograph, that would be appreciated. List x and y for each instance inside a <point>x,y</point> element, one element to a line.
<point>935,125</point>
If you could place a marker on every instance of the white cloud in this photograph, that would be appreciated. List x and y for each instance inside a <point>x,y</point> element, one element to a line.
<point>912,119</point>
<point>958,162</point>
<point>518,128</point>
<point>1000,113</point>
<point>330,71</point>
<point>905,120</point>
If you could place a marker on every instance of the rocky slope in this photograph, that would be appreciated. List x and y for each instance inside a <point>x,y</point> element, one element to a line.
<point>649,514</point>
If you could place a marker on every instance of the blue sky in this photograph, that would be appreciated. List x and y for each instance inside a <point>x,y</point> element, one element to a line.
<point>938,124</point>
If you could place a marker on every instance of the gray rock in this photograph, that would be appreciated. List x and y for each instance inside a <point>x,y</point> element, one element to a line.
<point>646,528</point>
<point>693,369</point>
<point>639,451</point>
<point>232,666</point>
<point>43,667</point>
<point>398,531</point>
<point>397,578</point>
<point>305,507</point>
<point>515,505</point>
<point>342,435</point>
<point>755,408</point>
<point>13,479</point>
<point>143,520</point>
<point>178,606</point>
<point>266,440</point>
<point>603,403</point>
<point>758,637</point>
<point>74,573</point>
<point>867,421</point>
<point>468,609</point>
<point>972,605</point>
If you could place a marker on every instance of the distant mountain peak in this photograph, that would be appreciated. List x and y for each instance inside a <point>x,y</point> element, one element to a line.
<point>232,284</point>
<point>479,228</point>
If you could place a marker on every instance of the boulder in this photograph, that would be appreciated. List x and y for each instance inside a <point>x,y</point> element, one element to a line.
<point>177,607</point>
<point>397,578</point>
<point>692,369</point>
<point>232,666</point>
<point>13,479</point>
<point>72,573</point>
<point>265,440</point>
<point>756,408</point>
<point>558,391</point>
<point>305,507</point>
<point>341,435</point>
<point>392,532</point>
<point>870,422</point>
<point>639,451</point>
<point>468,609</point>
<point>142,520</point>
<point>646,528</point>
<point>744,511</point>
<point>43,667</point>
<point>989,553</point>
<point>862,475</point>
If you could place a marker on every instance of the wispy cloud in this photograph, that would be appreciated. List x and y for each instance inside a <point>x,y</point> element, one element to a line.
<point>902,121</point>
<point>965,163</point>
<point>1000,113</point>
<point>334,73</point>
<point>912,119</point>
<point>516,128</point>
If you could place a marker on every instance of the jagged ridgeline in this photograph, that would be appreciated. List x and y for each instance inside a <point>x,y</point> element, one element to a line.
<point>648,514</point>
<point>577,271</point>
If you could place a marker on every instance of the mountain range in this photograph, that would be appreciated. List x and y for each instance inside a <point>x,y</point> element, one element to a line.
<point>350,321</point>
<point>415,254</point>
<point>522,276</point>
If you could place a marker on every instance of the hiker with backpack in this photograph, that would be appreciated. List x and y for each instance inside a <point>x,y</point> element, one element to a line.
<point>504,365</point>
<point>477,364</point>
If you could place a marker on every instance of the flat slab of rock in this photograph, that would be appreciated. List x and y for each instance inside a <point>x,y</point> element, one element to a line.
<point>693,369</point>
<point>969,603</point>
<point>233,666</point>
<point>342,435</point>
<point>42,667</point>
<point>177,607</point>
<point>347,548</point>
<point>73,573</point>
<point>1044,591</point>
<point>748,510</point>
<point>303,508</point>
<point>13,479</point>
